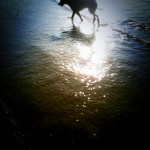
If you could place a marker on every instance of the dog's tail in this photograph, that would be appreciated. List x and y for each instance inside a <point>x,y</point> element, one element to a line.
<point>100,8</point>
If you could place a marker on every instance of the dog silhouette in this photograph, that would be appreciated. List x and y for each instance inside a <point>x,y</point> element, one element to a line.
<point>78,5</point>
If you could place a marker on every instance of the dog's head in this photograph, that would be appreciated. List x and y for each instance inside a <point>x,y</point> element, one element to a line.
<point>62,2</point>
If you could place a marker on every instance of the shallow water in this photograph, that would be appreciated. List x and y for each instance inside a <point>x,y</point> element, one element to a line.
<point>75,83</point>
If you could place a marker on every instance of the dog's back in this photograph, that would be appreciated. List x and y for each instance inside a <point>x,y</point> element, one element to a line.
<point>78,5</point>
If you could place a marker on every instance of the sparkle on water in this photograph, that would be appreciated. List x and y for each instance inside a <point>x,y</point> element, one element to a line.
<point>91,60</point>
<point>72,67</point>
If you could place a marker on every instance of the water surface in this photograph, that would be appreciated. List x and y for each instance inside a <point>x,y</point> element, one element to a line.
<point>75,83</point>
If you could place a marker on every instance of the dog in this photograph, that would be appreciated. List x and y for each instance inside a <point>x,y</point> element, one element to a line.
<point>78,5</point>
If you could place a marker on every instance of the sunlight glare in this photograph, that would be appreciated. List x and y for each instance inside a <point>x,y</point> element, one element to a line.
<point>90,61</point>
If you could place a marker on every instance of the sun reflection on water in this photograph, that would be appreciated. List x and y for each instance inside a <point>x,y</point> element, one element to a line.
<point>91,61</point>
<point>86,64</point>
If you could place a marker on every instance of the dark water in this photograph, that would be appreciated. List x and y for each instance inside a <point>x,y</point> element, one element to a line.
<point>65,83</point>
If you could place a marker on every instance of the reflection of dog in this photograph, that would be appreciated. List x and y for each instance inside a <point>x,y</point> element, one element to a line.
<point>78,5</point>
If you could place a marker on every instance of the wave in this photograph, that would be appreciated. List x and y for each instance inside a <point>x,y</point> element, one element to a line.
<point>137,25</point>
<point>131,36</point>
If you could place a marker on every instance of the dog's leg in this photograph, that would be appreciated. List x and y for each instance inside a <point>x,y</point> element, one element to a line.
<point>97,19</point>
<point>72,15</point>
<point>93,18</point>
<point>79,15</point>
